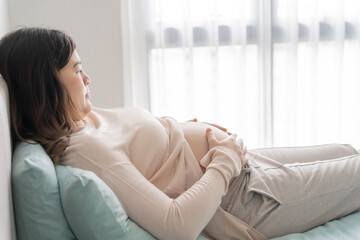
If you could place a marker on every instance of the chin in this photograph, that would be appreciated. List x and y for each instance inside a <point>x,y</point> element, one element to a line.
<point>87,109</point>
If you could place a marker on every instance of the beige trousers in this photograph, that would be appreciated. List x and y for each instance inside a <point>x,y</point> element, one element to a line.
<point>288,190</point>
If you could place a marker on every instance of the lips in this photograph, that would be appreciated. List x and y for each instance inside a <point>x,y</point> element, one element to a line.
<point>87,95</point>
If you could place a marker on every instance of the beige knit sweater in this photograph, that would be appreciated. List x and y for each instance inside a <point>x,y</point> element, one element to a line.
<point>149,165</point>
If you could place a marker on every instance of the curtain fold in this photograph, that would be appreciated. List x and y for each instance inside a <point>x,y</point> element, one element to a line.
<point>136,42</point>
<point>205,64</point>
<point>311,72</point>
<point>279,72</point>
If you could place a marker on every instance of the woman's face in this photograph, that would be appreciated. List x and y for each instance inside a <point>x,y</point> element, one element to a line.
<point>76,82</point>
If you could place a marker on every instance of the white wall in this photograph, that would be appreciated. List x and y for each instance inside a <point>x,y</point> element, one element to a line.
<point>4,21</point>
<point>95,26</point>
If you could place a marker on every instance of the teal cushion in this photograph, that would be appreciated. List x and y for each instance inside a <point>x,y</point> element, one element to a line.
<point>38,211</point>
<point>93,210</point>
<point>42,195</point>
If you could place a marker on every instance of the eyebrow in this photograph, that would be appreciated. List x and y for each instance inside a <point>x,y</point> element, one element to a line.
<point>77,63</point>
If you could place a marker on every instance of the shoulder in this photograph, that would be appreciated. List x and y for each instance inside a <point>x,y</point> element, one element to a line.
<point>93,147</point>
<point>118,110</point>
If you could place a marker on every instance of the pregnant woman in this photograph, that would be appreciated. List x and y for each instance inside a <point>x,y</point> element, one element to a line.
<point>174,179</point>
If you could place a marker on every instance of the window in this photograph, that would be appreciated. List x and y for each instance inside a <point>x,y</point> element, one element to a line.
<point>280,72</point>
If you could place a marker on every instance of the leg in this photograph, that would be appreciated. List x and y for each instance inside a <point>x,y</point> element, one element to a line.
<point>278,199</point>
<point>305,154</point>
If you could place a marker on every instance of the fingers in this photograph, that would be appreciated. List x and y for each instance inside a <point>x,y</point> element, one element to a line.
<point>218,126</point>
<point>245,162</point>
<point>210,134</point>
<point>240,142</point>
<point>245,150</point>
<point>215,125</point>
<point>233,136</point>
<point>230,142</point>
<point>192,120</point>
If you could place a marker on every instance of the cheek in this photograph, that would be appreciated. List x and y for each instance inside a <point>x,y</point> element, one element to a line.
<point>76,90</point>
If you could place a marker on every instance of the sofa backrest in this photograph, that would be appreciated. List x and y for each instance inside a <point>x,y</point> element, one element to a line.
<point>7,226</point>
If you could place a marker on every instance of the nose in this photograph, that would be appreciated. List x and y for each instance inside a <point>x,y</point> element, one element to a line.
<point>86,79</point>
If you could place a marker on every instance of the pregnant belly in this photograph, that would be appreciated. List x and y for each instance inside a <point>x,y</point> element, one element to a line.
<point>195,135</point>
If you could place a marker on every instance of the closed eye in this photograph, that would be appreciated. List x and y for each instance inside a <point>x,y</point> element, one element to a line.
<point>77,66</point>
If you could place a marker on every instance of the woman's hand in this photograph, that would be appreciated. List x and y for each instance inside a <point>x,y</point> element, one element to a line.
<point>237,145</point>
<point>212,124</point>
<point>228,159</point>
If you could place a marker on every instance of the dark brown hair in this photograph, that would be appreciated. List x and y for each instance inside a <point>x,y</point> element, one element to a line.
<point>40,108</point>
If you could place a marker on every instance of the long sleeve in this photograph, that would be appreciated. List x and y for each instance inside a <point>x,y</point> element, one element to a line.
<point>151,169</point>
<point>166,218</point>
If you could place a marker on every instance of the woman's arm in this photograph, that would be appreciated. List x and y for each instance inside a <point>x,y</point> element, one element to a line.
<point>185,216</point>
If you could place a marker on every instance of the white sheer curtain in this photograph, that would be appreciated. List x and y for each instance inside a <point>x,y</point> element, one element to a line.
<point>316,72</point>
<point>280,72</point>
